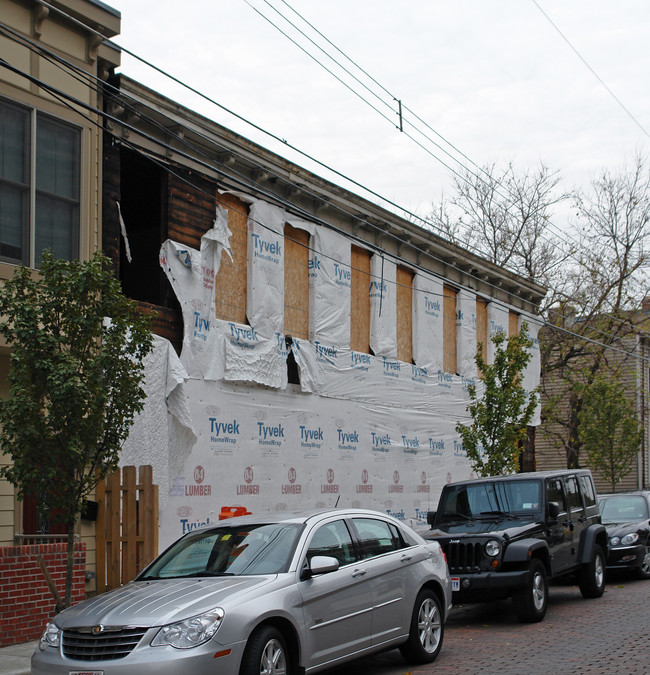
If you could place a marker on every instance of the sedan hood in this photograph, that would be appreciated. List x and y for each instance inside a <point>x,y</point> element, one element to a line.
<point>621,529</point>
<point>159,602</point>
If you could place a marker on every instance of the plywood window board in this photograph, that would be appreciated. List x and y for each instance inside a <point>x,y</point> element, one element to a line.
<point>449,356</point>
<point>481,325</point>
<point>513,323</point>
<point>296,282</point>
<point>360,300</point>
<point>405,314</point>
<point>230,283</point>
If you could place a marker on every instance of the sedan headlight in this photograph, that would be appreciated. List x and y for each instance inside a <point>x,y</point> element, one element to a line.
<point>51,636</point>
<point>493,548</point>
<point>191,632</point>
<point>630,539</point>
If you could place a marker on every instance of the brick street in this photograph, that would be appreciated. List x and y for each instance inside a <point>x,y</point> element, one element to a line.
<point>603,636</point>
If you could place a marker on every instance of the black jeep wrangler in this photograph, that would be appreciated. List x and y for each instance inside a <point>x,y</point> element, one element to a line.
<point>508,535</point>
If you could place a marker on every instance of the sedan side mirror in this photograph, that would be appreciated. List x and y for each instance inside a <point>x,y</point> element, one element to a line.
<point>553,510</point>
<point>319,564</point>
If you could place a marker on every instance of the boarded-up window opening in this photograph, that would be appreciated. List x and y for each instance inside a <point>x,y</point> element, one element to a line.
<point>296,282</point>
<point>360,300</point>
<point>449,358</point>
<point>481,326</point>
<point>513,323</point>
<point>230,284</point>
<point>405,314</point>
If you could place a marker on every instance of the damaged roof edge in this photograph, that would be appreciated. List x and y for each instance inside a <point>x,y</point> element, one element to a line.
<point>460,264</point>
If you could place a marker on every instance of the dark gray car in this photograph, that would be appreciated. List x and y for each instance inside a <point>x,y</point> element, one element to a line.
<point>263,595</point>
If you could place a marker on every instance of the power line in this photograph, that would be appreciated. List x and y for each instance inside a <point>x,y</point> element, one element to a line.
<point>593,72</point>
<point>72,103</point>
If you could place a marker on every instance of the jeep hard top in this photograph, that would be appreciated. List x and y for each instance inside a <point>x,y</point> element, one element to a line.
<point>508,535</point>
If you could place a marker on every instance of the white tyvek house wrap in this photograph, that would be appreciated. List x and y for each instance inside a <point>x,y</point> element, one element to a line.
<point>283,450</point>
<point>498,321</point>
<point>378,380</point>
<point>427,322</point>
<point>329,288</point>
<point>163,433</point>
<point>265,282</point>
<point>192,274</point>
<point>466,333</point>
<point>383,306</point>
<point>533,369</point>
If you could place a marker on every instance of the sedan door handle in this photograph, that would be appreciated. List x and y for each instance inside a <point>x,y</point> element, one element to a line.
<point>405,558</point>
<point>358,572</point>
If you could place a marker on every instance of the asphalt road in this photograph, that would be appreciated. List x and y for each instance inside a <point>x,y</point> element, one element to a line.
<point>603,636</point>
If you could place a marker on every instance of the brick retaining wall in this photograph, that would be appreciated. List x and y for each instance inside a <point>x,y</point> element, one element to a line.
<point>26,602</point>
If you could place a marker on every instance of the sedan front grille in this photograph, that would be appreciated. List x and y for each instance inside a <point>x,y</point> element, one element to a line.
<point>108,644</point>
<point>463,557</point>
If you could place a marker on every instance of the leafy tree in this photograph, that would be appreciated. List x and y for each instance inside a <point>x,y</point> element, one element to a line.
<point>501,414</point>
<point>609,428</point>
<point>74,382</point>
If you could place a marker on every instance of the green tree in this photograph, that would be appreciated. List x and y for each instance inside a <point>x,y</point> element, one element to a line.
<point>75,373</point>
<point>609,428</point>
<point>502,412</point>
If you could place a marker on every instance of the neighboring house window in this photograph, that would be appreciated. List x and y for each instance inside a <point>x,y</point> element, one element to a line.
<point>513,323</point>
<point>39,185</point>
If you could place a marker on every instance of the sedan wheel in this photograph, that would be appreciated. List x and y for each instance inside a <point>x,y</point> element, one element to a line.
<point>265,654</point>
<point>644,570</point>
<point>426,631</point>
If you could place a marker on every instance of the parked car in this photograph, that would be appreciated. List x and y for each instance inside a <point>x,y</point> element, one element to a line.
<point>626,517</point>
<point>279,593</point>
<point>506,536</point>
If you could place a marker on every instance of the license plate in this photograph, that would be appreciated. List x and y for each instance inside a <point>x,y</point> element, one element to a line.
<point>455,583</point>
<point>85,672</point>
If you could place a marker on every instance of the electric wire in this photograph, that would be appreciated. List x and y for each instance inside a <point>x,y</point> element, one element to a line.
<point>593,72</point>
<point>72,103</point>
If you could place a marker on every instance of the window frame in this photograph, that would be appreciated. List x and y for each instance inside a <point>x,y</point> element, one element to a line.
<point>29,256</point>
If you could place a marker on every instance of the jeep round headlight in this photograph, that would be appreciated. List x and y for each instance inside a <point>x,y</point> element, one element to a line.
<point>630,539</point>
<point>493,548</point>
<point>191,632</point>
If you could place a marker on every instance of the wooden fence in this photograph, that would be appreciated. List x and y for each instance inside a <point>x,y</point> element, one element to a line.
<point>127,526</point>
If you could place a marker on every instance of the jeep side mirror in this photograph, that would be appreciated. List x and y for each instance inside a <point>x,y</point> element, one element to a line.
<point>431,517</point>
<point>553,510</point>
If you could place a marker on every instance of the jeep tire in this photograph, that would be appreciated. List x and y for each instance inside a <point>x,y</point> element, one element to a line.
<point>530,603</point>
<point>591,577</point>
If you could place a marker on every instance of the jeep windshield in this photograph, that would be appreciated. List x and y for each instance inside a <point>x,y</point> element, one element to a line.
<point>511,499</point>
<point>227,550</point>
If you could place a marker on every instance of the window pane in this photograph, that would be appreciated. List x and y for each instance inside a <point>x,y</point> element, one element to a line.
<point>56,227</point>
<point>13,221</point>
<point>57,158</point>
<point>376,537</point>
<point>573,494</point>
<point>14,143</point>
<point>333,540</point>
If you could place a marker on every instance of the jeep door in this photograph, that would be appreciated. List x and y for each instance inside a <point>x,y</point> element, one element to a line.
<point>576,515</point>
<point>560,534</point>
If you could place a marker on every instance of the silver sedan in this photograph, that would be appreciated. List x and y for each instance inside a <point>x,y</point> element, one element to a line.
<point>263,595</point>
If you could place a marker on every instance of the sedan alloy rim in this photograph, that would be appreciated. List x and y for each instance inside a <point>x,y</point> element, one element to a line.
<point>645,565</point>
<point>273,660</point>
<point>429,626</point>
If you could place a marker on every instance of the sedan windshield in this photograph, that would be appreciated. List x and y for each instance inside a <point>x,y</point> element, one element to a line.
<point>499,499</point>
<point>623,508</point>
<point>227,551</point>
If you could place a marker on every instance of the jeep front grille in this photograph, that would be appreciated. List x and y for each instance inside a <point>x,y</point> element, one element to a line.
<point>463,557</point>
<point>111,644</point>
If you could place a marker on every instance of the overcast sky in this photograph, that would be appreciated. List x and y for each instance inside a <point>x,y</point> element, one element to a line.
<point>492,77</point>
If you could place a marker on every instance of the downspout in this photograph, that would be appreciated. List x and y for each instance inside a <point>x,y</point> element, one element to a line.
<point>640,410</point>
